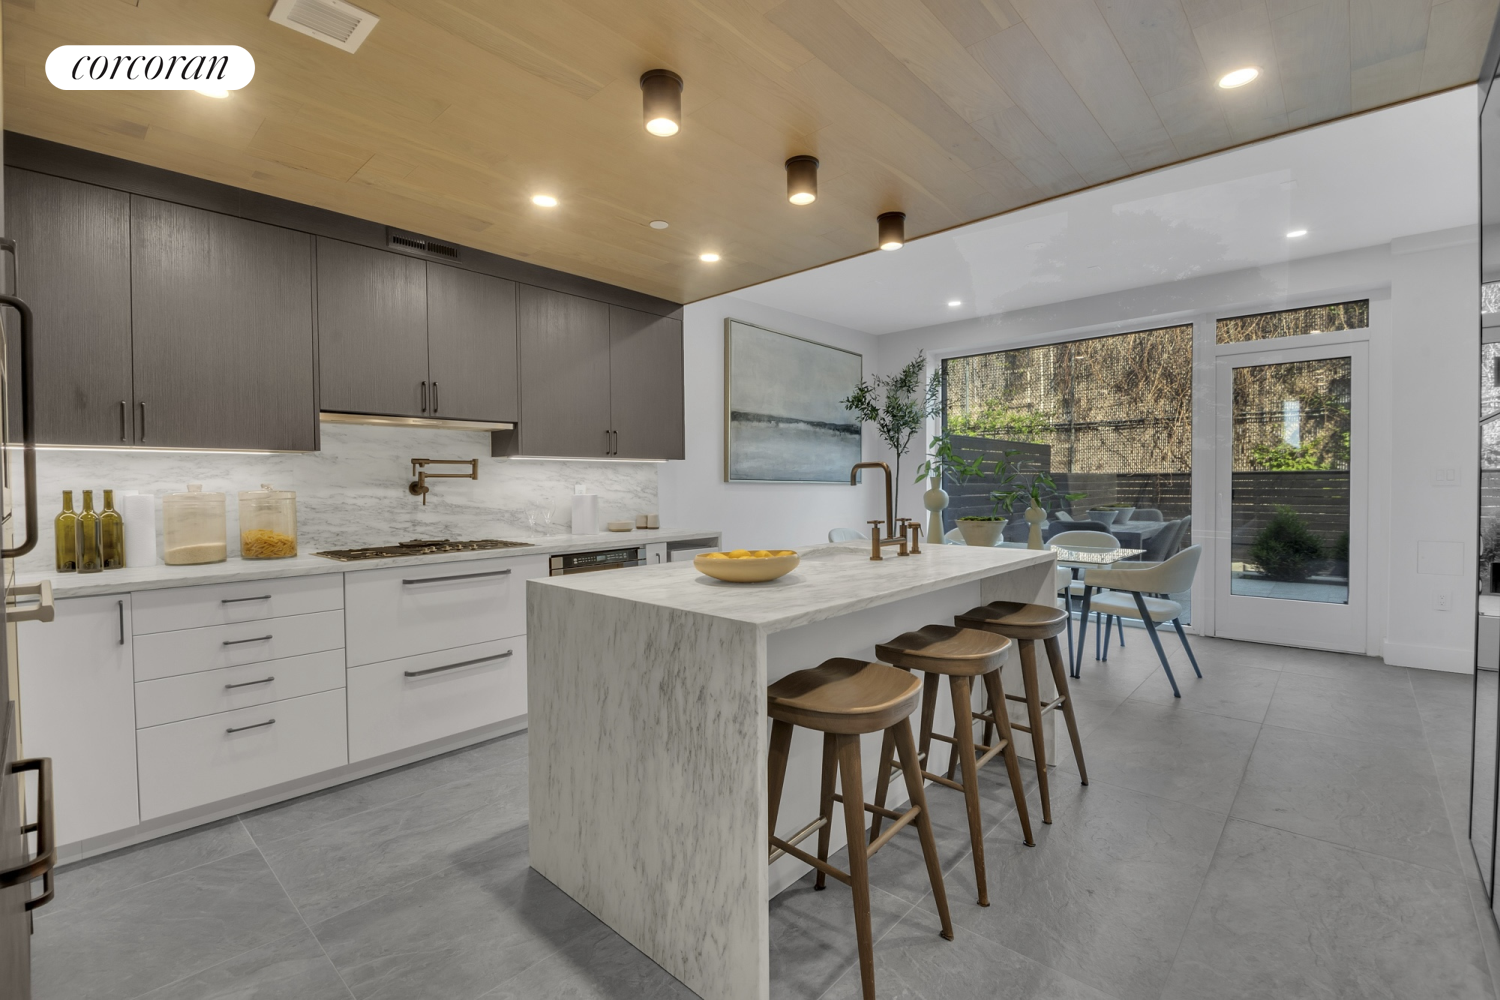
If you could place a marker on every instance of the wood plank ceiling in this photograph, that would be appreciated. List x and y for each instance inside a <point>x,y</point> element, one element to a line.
<point>455,112</point>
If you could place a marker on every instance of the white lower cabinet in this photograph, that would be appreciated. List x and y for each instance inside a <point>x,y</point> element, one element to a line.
<point>78,707</point>
<point>187,696</point>
<point>166,654</point>
<point>199,761</point>
<point>397,704</point>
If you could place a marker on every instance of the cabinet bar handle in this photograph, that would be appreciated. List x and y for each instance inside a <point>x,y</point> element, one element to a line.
<point>258,725</point>
<point>124,413</point>
<point>434,398</point>
<point>240,642</point>
<point>615,448</point>
<point>424,395</point>
<point>143,421</point>
<point>447,579</point>
<point>606,441</point>
<point>241,600</point>
<point>121,605</point>
<point>245,684</point>
<point>455,666</point>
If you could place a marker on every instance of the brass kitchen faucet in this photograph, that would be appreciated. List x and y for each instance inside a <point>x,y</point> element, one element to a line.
<point>419,487</point>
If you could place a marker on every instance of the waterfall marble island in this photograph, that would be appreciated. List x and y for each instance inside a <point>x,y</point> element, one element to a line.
<point>648,732</point>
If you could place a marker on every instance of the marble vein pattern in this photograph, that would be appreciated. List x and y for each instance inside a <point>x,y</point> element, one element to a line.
<point>353,491</point>
<point>648,732</point>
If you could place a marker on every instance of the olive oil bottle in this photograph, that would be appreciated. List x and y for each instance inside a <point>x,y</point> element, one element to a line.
<point>90,560</point>
<point>65,529</point>
<point>111,534</point>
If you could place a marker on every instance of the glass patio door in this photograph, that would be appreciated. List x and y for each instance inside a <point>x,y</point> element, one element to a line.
<point>1290,496</point>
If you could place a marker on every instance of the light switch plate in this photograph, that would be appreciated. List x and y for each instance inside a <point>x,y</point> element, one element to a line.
<point>1445,477</point>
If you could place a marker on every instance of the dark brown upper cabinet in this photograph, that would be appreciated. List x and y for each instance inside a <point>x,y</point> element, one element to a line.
<point>645,379</point>
<point>372,331</point>
<point>223,331</point>
<point>565,360</point>
<point>471,345</point>
<point>73,269</point>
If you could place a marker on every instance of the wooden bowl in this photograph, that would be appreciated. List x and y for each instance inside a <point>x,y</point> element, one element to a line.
<point>747,570</point>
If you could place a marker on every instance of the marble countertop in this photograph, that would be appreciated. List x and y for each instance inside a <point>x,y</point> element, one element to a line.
<point>160,576</point>
<point>831,580</point>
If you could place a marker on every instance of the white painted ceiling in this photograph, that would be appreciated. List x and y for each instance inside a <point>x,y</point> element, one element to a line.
<point>1358,182</point>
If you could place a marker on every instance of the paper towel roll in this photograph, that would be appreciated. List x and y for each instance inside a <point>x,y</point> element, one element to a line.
<point>585,514</point>
<point>139,512</point>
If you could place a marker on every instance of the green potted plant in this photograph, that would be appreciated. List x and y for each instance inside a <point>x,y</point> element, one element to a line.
<point>943,462</point>
<point>899,406</point>
<point>1038,491</point>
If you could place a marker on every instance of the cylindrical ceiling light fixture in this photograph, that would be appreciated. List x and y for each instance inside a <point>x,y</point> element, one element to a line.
<point>802,180</point>
<point>892,230</point>
<point>661,91</point>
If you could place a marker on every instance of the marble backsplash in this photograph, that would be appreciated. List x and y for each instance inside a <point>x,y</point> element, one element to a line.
<point>353,491</point>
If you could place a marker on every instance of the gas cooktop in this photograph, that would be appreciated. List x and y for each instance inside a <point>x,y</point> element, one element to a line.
<point>420,547</point>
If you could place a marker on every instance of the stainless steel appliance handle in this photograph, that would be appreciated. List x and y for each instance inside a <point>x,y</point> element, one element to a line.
<point>449,579</point>
<point>455,666</point>
<point>242,600</point>
<point>241,642</point>
<point>28,417</point>
<point>258,725</point>
<point>45,828</point>
<point>245,684</point>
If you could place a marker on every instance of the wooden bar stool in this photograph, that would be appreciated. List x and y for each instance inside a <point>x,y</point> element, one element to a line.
<point>844,699</point>
<point>1026,623</point>
<point>961,654</point>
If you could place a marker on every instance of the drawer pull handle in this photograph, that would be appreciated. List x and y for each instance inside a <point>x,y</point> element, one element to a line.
<point>455,666</point>
<point>449,579</point>
<point>258,725</point>
<point>242,600</point>
<point>245,684</point>
<point>240,642</point>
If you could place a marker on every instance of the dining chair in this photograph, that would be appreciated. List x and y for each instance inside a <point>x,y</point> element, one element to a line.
<point>847,535</point>
<point>953,537</point>
<point>1140,594</point>
<point>1084,538</point>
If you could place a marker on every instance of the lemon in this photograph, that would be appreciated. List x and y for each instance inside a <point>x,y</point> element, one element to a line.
<point>760,554</point>
<point>740,554</point>
<point>714,555</point>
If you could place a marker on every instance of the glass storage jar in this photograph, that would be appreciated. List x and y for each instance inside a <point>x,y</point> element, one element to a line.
<point>194,527</point>
<point>268,523</point>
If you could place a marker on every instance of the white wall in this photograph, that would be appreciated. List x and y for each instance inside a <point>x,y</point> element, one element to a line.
<point>753,515</point>
<point>1424,410</point>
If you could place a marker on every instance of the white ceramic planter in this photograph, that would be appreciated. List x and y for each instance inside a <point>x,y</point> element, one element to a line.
<point>981,533</point>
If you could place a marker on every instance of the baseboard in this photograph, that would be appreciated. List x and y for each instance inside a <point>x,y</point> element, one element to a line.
<point>176,823</point>
<point>1424,657</point>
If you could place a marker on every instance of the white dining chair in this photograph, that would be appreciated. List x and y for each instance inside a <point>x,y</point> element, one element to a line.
<point>847,535</point>
<point>1082,539</point>
<point>1139,594</point>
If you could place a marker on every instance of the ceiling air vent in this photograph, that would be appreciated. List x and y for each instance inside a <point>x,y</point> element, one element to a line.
<point>340,24</point>
<point>398,239</point>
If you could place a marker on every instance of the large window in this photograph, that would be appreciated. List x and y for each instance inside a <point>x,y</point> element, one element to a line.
<point>1110,417</point>
<point>1353,315</point>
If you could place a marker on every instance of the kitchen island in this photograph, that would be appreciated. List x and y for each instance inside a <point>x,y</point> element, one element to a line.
<point>647,700</point>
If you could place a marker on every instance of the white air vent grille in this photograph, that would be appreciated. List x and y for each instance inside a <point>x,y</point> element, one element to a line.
<point>340,24</point>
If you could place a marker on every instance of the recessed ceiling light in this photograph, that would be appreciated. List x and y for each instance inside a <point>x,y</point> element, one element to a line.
<point>658,224</point>
<point>218,92</point>
<point>544,200</point>
<point>954,303</point>
<point>1238,78</point>
<point>708,258</point>
<point>1296,233</point>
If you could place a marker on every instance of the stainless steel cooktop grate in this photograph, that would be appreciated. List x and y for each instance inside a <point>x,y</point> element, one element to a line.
<point>420,547</point>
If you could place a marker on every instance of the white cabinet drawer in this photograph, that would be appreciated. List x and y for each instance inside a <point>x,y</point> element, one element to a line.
<point>193,763</point>
<point>166,654</point>
<point>188,696</point>
<point>455,690</point>
<point>417,609</point>
<point>222,603</point>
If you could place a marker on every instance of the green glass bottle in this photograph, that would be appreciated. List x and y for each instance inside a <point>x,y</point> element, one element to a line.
<point>90,560</point>
<point>111,534</point>
<point>65,530</point>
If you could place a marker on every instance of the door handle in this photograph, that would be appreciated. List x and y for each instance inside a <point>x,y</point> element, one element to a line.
<point>448,579</point>
<point>28,419</point>
<point>45,828</point>
<point>434,398</point>
<point>606,441</point>
<point>615,450</point>
<point>424,395</point>
<point>124,416</point>
<point>455,666</point>
<point>241,642</point>
<point>143,422</point>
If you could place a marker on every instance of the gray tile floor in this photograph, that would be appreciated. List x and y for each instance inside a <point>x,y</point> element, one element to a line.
<point>1293,827</point>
